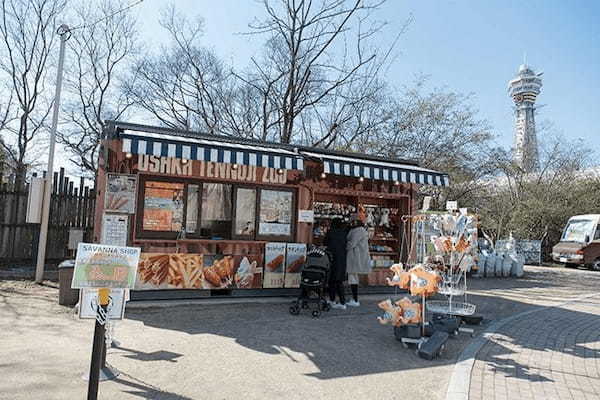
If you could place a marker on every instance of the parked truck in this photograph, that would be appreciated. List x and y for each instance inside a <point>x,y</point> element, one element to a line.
<point>580,242</point>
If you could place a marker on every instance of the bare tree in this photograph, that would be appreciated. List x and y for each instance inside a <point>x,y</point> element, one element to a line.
<point>317,71</point>
<point>186,85</point>
<point>27,34</point>
<point>103,44</point>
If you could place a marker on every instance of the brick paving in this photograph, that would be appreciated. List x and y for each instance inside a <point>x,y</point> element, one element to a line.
<point>551,353</point>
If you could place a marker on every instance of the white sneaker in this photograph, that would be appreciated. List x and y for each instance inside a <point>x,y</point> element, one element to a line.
<point>338,306</point>
<point>353,303</point>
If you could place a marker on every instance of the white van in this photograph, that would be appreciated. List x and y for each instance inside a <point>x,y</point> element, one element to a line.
<point>580,242</point>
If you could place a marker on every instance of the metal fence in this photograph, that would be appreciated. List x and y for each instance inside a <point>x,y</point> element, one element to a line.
<point>70,207</point>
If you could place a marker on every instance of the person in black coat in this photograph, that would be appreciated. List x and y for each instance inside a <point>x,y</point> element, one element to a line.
<point>335,240</point>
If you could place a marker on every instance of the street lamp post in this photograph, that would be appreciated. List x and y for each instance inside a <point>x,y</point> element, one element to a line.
<point>64,33</point>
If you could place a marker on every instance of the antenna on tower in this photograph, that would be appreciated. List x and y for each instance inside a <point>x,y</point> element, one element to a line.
<point>524,58</point>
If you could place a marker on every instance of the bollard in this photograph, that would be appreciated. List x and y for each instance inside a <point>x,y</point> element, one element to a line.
<point>98,345</point>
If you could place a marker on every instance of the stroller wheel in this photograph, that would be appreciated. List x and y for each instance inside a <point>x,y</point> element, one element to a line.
<point>294,310</point>
<point>316,313</point>
<point>326,307</point>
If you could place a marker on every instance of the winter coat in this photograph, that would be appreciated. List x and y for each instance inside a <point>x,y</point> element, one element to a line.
<point>335,240</point>
<point>358,259</point>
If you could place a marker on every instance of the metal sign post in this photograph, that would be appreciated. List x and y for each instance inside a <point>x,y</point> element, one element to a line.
<point>98,348</point>
<point>64,33</point>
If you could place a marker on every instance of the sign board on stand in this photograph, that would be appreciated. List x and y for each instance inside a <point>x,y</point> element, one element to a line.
<point>101,266</point>
<point>88,304</point>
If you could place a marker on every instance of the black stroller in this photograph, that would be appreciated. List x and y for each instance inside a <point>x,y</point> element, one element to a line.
<point>313,279</point>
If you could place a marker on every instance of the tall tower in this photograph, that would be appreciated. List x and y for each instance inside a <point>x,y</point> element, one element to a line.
<point>524,89</point>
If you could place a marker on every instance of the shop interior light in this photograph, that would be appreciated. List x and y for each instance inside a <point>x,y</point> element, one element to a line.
<point>234,167</point>
<point>323,175</point>
<point>184,161</point>
<point>361,179</point>
<point>280,171</point>
<point>128,155</point>
<point>397,183</point>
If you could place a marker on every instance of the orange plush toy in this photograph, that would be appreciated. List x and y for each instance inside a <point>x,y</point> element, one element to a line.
<point>411,312</point>
<point>391,315</point>
<point>423,283</point>
<point>401,278</point>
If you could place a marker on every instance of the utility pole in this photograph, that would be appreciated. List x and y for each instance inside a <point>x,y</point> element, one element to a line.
<point>64,33</point>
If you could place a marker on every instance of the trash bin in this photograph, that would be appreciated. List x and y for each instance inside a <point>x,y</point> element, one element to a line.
<point>66,295</point>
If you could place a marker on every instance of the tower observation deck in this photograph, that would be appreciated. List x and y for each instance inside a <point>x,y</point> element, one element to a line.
<point>524,89</point>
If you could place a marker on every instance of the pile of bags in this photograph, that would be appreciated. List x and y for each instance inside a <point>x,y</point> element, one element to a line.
<point>500,265</point>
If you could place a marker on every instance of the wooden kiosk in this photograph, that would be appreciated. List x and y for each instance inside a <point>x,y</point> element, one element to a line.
<point>217,215</point>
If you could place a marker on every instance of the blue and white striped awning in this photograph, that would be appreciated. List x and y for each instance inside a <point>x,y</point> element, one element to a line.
<point>379,170</point>
<point>162,145</point>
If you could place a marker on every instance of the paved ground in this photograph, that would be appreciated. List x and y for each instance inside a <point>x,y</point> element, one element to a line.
<point>229,351</point>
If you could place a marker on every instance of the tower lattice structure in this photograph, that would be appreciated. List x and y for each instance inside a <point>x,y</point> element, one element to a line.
<point>524,89</point>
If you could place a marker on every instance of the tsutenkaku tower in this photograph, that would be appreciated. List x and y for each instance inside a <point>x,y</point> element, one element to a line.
<point>524,89</point>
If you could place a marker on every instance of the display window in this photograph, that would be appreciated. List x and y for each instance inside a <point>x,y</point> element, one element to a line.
<point>206,210</point>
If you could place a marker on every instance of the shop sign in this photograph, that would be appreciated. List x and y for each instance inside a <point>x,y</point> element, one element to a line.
<point>295,260</point>
<point>307,216</point>
<point>101,266</point>
<point>88,304</point>
<point>114,229</point>
<point>209,169</point>
<point>274,265</point>
<point>120,193</point>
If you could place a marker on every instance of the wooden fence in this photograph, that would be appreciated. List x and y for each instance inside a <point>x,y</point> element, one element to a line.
<point>71,207</point>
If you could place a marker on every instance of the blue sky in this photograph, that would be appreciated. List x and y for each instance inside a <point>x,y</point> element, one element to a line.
<point>467,46</point>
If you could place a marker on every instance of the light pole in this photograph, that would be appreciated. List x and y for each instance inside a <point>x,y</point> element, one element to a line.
<point>64,33</point>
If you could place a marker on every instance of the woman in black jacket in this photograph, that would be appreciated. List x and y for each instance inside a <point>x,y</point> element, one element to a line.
<point>335,240</point>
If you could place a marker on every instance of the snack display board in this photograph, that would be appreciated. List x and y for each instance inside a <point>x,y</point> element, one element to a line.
<point>120,193</point>
<point>274,265</point>
<point>170,271</point>
<point>295,261</point>
<point>163,207</point>
<point>100,266</point>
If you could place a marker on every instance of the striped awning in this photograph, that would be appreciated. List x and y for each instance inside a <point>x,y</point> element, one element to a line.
<point>379,170</point>
<point>162,145</point>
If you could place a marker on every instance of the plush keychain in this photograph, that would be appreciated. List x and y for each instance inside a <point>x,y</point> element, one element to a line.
<point>400,279</point>
<point>392,314</point>
<point>411,312</point>
<point>423,283</point>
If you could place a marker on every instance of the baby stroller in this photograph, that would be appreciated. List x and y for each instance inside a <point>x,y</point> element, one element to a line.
<point>312,283</point>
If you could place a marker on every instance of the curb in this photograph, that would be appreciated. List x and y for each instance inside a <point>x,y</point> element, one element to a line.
<point>460,381</point>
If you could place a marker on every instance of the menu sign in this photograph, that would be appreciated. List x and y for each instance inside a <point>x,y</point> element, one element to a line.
<point>275,217</point>
<point>102,266</point>
<point>163,206</point>
<point>120,193</point>
<point>295,260</point>
<point>274,265</point>
<point>114,230</point>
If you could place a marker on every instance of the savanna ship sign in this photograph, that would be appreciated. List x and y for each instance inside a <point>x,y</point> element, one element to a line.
<point>101,266</point>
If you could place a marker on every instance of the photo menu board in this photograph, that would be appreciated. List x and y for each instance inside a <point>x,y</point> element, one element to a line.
<point>274,270</point>
<point>120,193</point>
<point>295,261</point>
<point>163,206</point>
<point>275,218</point>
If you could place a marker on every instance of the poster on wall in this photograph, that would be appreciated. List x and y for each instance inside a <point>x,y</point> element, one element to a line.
<point>120,193</point>
<point>275,218</point>
<point>232,272</point>
<point>245,212</point>
<point>114,229</point>
<point>274,265</point>
<point>295,260</point>
<point>163,206</point>
<point>170,271</point>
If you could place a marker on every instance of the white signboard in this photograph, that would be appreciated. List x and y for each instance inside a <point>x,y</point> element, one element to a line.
<point>114,229</point>
<point>295,260</point>
<point>75,237</point>
<point>426,203</point>
<point>307,216</point>
<point>120,193</point>
<point>274,265</point>
<point>101,266</point>
<point>452,205</point>
<point>88,303</point>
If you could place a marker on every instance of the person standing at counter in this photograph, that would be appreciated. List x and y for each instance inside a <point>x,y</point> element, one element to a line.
<point>335,240</point>
<point>358,259</point>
